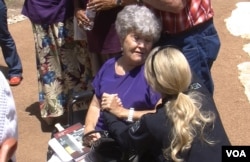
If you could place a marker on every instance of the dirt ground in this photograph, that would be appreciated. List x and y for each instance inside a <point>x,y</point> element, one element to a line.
<point>229,94</point>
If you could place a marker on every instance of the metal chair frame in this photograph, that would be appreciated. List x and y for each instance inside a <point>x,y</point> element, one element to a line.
<point>76,98</point>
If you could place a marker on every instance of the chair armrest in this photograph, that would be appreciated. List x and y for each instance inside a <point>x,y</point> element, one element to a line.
<point>78,97</point>
<point>7,149</point>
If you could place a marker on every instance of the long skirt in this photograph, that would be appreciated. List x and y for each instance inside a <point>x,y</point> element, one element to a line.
<point>63,66</point>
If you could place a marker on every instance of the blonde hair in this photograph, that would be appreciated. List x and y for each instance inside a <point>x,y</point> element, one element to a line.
<point>168,72</point>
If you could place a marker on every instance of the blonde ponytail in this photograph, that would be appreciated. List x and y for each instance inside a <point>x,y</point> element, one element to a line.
<point>168,72</point>
<point>184,112</point>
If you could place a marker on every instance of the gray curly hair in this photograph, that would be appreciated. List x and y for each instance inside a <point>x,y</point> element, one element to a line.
<point>140,19</point>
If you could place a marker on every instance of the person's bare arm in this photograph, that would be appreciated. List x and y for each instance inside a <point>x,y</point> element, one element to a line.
<point>99,5</point>
<point>112,103</point>
<point>92,115</point>
<point>79,13</point>
<point>174,6</point>
<point>123,113</point>
<point>77,5</point>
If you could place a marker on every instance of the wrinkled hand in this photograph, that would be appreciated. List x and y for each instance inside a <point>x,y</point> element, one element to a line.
<point>99,5</point>
<point>87,141</point>
<point>81,17</point>
<point>112,103</point>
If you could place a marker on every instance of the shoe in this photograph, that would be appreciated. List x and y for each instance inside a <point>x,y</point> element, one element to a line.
<point>14,81</point>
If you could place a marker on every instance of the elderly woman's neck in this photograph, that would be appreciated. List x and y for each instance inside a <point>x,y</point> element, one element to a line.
<point>123,66</point>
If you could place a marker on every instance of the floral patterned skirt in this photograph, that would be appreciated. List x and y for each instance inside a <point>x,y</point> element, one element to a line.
<point>63,66</point>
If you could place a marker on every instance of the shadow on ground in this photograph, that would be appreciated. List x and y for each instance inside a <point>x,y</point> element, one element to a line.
<point>34,110</point>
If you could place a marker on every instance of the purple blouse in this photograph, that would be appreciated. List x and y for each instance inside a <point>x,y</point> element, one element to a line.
<point>132,88</point>
<point>48,11</point>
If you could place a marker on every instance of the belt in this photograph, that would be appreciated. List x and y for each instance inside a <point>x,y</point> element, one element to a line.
<point>194,29</point>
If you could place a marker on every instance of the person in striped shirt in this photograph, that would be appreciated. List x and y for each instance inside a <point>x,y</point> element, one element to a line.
<point>189,25</point>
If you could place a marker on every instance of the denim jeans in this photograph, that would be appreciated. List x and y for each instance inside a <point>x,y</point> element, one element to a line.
<point>8,45</point>
<point>200,47</point>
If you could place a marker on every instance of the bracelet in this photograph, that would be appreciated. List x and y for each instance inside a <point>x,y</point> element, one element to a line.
<point>130,115</point>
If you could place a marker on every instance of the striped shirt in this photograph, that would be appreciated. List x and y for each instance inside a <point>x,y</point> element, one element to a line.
<point>195,12</point>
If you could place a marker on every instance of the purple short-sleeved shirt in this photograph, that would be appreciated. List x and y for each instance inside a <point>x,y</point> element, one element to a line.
<point>132,88</point>
<point>48,11</point>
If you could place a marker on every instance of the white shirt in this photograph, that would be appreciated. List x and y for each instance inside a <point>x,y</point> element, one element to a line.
<point>8,117</point>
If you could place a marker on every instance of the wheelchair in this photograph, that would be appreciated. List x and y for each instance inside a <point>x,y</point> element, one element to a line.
<point>75,116</point>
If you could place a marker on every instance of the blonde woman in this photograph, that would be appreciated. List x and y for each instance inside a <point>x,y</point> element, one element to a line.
<point>186,126</point>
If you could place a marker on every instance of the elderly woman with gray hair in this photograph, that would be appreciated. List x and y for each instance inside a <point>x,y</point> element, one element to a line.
<point>186,126</point>
<point>123,76</point>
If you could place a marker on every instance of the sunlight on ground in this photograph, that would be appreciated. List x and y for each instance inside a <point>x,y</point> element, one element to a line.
<point>238,24</point>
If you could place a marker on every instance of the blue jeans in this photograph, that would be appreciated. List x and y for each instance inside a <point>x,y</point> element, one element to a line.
<point>200,46</point>
<point>8,45</point>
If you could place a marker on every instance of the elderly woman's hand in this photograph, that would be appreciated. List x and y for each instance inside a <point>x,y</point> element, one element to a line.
<point>88,140</point>
<point>113,104</point>
<point>110,101</point>
<point>99,5</point>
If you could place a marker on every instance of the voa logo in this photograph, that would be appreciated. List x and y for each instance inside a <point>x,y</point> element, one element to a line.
<point>236,153</point>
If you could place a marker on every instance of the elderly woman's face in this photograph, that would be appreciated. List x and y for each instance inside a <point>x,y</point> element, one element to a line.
<point>136,47</point>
